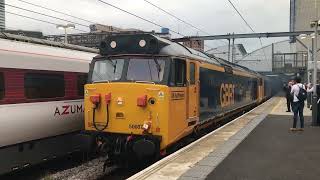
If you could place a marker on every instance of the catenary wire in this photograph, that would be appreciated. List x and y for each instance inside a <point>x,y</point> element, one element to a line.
<point>174,16</point>
<point>246,22</point>
<point>82,18</point>
<point>28,17</point>
<point>139,17</point>
<point>56,11</point>
<point>45,15</point>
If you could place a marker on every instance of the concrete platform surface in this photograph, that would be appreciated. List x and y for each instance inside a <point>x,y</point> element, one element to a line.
<point>200,158</point>
<point>271,151</point>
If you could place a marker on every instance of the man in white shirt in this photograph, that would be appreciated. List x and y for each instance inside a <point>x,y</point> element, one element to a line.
<point>297,105</point>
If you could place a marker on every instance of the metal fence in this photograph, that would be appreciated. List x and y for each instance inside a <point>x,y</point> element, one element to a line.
<point>289,62</point>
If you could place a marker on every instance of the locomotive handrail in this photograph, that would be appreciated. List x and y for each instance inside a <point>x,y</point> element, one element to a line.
<point>100,81</point>
<point>150,82</point>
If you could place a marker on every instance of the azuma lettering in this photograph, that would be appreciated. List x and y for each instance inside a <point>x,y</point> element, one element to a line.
<point>68,109</point>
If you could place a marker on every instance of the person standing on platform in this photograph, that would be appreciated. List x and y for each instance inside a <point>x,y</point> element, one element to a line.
<point>287,90</point>
<point>309,92</point>
<point>297,104</point>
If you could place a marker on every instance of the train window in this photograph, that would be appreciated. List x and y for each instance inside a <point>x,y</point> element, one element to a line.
<point>192,73</point>
<point>107,70</point>
<point>146,70</point>
<point>40,85</point>
<point>260,81</point>
<point>82,80</point>
<point>1,86</point>
<point>178,73</point>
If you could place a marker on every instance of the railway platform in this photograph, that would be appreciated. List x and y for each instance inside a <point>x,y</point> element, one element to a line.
<point>256,145</point>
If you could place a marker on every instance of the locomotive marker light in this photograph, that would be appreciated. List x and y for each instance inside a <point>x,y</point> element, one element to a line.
<point>113,44</point>
<point>95,99</point>
<point>108,98</point>
<point>142,43</point>
<point>142,101</point>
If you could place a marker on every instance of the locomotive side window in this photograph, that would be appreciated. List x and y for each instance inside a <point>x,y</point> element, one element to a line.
<point>260,81</point>
<point>178,73</point>
<point>40,85</point>
<point>82,80</point>
<point>1,86</point>
<point>192,73</point>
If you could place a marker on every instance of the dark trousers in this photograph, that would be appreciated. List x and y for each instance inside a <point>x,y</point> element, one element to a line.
<point>297,108</point>
<point>289,103</point>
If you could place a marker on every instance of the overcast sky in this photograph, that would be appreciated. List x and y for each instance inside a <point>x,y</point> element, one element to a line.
<point>212,16</point>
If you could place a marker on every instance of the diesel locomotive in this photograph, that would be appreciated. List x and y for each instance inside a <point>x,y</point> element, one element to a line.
<point>146,93</point>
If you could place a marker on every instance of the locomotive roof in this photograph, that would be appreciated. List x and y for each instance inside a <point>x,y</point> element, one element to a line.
<point>125,44</point>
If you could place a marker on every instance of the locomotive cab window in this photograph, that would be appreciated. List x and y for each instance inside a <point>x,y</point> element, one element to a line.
<point>178,73</point>
<point>43,85</point>
<point>107,70</point>
<point>133,69</point>
<point>1,86</point>
<point>146,69</point>
<point>82,80</point>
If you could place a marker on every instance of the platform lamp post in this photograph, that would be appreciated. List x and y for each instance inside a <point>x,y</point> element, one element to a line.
<point>315,25</point>
<point>65,27</point>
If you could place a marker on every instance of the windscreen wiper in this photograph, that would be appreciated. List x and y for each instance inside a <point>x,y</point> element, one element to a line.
<point>158,67</point>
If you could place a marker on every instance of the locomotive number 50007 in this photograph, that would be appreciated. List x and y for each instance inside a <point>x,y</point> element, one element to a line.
<point>226,94</point>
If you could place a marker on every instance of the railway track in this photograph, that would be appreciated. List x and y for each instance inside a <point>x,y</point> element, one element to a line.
<point>93,170</point>
<point>90,170</point>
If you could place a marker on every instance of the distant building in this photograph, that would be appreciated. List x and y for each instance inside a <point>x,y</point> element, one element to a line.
<point>98,33</point>
<point>302,12</point>
<point>195,44</point>
<point>2,15</point>
<point>98,28</point>
<point>277,57</point>
<point>34,34</point>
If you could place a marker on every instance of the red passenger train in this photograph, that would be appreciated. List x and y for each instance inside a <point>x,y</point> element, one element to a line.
<point>41,99</point>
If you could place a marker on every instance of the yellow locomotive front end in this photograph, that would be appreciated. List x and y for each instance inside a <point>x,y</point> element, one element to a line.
<point>126,104</point>
<point>138,100</point>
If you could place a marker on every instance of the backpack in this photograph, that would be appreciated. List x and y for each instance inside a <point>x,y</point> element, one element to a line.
<point>302,96</point>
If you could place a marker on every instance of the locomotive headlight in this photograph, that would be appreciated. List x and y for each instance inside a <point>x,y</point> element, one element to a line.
<point>113,44</point>
<point>120,101</point>
<point>142,43</point>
